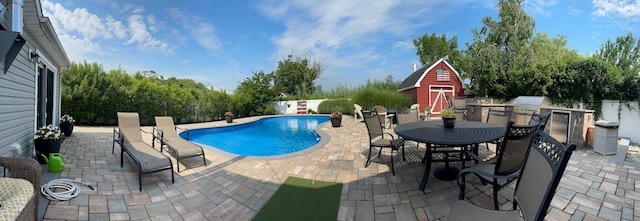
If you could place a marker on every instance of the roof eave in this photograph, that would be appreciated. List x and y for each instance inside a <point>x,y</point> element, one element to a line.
<point>43,33</point>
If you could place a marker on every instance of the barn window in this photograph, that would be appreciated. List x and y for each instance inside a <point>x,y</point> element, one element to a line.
<point>442,75</point>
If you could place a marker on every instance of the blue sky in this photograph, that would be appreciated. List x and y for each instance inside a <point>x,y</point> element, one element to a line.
<point>220,43</point>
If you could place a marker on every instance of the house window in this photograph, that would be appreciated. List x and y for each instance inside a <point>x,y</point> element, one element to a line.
<point>442,75</point>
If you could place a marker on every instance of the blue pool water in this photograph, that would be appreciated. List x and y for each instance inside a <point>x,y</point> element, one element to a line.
<point>265,137</point>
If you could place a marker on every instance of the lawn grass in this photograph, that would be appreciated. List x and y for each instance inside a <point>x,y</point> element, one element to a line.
<point>302,199</point>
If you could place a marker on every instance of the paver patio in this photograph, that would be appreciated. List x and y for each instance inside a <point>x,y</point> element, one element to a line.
<point>235,187</point>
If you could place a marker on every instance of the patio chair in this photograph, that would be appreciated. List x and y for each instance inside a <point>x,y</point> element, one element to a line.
<point>537,183</point>
<point>357,112</point>
<point>539,120</point>
<point>129,137</point>
<point>165,133</point>
<point>426,115</point>
<point>503,169</point>
<point>378,138</point>
<point>498,117</point>
<point>28,169</point>
<point>460,113</point>
<point>408,116</point>
<point>415,106</point>
<point>384,117</point>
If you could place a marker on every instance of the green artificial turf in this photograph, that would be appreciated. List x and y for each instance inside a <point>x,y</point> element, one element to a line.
<point>302,199</point>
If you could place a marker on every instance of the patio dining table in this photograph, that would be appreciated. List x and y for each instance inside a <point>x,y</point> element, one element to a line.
<point>439,141</point>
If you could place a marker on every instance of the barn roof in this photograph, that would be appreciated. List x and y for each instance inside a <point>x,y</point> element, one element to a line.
<point>414,79</point>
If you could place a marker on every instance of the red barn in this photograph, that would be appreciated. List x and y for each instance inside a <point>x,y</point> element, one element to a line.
<point>428,86</point>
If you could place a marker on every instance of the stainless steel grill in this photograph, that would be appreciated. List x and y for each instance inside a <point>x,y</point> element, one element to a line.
<point>524,106</point>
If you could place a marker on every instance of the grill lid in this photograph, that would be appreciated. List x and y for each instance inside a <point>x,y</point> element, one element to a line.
<point>537,101</point>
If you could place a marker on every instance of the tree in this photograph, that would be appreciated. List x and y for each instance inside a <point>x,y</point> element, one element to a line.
<point>431,48</point>
<point>500,49</point>
<point>623,54</point>
<point>253,94</point>
<point>296,76</point>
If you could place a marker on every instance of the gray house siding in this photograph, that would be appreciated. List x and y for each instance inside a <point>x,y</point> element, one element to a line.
<point>17,97</point>
<point>19,84</point>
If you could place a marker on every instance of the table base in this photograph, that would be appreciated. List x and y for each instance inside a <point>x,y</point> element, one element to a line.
<point>446,173</point>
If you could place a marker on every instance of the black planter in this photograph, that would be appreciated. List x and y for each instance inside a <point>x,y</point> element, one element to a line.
<point>335,122</point>
<point>46,147</point>
<point>449,122</point>
<point>66,129</point>
<point>229,119</point>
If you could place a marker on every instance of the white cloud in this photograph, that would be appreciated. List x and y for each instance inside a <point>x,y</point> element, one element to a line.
<point>404,45</point>
<point>143,38</point>
<point>541,7</point>
<point>83,32</point>
<point>621,13</point>
<point>622,8</point>
<point>329,29</point>
<point>202,32</point>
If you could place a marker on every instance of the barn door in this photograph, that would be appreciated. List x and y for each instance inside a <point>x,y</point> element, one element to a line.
<point>437,98</point>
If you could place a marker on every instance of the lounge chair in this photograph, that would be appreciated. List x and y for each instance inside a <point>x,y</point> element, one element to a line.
<point>165,133</point>
<point>129,137</point>
<point>537,183</point>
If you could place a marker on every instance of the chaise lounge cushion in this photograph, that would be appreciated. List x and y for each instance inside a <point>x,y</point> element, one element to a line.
<point>150,159</point>
<point>14,196</point>
<point>189,149</point>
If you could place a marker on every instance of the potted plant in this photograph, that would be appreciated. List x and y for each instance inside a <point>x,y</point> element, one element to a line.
<point>336,119</point>
<point>66,124</point>
<point>228,116</point>
<point>448,118</point>
<point>47,139</point>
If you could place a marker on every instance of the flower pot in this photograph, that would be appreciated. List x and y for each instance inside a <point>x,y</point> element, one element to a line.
<point>335,122</point>
<point>449,122</point>
<point>46,147</point>
<point>66,129</point>
<point>229,119</point>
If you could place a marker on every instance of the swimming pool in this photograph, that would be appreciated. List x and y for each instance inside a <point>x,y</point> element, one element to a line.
<point>268,136</point>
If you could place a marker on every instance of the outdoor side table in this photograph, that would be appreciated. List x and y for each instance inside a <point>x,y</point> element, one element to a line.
<point>433,133</point>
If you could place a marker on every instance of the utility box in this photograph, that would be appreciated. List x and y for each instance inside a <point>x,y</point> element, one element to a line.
<point>605,141</point>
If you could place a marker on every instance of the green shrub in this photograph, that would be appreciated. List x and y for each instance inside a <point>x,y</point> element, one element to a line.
<point>270,110</point>
<point>311,111</point>
<point>342,105</point>
<point>369,97</point>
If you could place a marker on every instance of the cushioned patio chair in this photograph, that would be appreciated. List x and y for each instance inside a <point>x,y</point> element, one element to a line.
<point>503,169</point>
<point>165,133</point>
<point>378,138</point>
<point>537,183</point>
<point>28,169</point>
<point>129,137</point>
